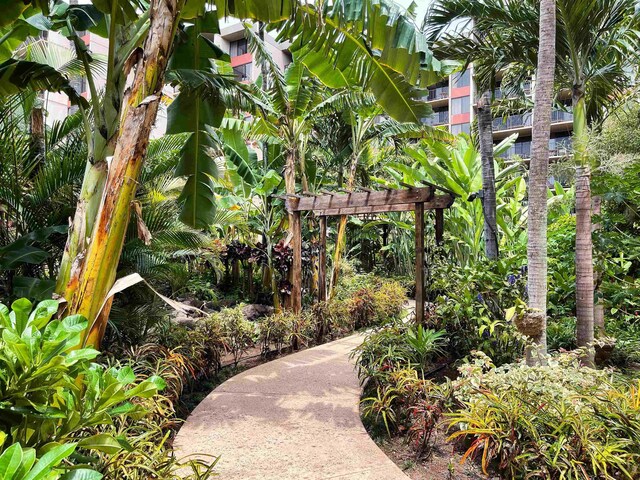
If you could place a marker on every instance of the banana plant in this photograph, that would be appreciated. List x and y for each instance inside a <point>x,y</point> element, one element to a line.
<point>141,37</point>
<point>375,45</point>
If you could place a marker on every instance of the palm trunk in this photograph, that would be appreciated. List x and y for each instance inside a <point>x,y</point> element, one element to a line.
<point>98,272</point>
<point>485,134</point>
<point>538,177</point>
<point>584,244</point>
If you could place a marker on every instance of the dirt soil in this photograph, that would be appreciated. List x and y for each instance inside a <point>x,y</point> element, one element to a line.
<point>441,462</point>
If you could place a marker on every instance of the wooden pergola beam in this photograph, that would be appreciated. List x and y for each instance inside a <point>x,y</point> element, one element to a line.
<point>387,198</point>
<point>437,203</point>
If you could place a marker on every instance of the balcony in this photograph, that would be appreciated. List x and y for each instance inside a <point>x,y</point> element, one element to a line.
<point>437,118</point>
<point>438,93</point>
<point>513,121</point>
<point>558,147</point>
<point>525,120</point>
<point>558,116</point>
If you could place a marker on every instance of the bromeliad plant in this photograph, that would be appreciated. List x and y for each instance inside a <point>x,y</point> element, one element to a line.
<point>559,421</point>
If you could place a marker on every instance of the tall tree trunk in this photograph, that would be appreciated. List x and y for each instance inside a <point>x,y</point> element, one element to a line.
<point>140,108</point>
<point>584,243</point>
<point>37,131</point>
<point>485,134</point>
<point>538,177</point>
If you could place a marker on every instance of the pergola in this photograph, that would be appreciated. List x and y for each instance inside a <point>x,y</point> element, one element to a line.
<point>366,201</point>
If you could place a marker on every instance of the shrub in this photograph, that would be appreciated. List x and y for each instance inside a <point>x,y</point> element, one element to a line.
<point>285,329</point>
<point>330,318</point>
<point>17,463</point>
<point>362,308</point>
<point>397,347</point>
<point>558,421</point>
<point>389,298</point>
<point>274,330</point>
<point>239,334</point>
<point>55,401</point>
<point>408,403</point>
<point>471,304</point>
<point>50,390</point>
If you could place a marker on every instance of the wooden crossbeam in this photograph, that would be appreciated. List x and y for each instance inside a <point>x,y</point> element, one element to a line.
<point>438,202</point>
<point>360,199</point>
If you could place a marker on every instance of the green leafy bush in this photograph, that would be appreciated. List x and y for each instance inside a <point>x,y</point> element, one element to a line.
<point>49,388</point>
<point>239,334</point>
<point>17,463</point>
<point>471,304</point>
<point>72,412</point>
<point>549,422</point>
<point>397,347</point>
<point>285,329</point>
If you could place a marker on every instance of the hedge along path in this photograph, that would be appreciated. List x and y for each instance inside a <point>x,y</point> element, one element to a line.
<point>293,418</point>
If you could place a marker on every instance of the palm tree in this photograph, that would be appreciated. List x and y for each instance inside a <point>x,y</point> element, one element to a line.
<point>597,42</point>
<point>538,176</point>
<point>458,31</point>
<point>596,46</point>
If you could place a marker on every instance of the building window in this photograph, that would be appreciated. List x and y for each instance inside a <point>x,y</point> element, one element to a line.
<point>461,79</point>
<point>460,105</point>
<point>238,47</point>
<point>243,72</point>
<point>461,128</point>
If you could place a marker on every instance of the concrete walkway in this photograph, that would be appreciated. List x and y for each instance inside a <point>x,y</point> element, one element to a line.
<point>293,418</point>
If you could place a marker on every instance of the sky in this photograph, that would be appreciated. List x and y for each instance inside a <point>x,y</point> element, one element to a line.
<point>422,7</point>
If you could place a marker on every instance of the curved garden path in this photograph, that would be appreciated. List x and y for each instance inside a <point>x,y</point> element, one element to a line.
<point>292,418</point>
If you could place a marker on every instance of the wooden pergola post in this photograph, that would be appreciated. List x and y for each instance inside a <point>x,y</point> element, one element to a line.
<point>439,226</point>
<point>419,263</point>
<point>322,260</point>
<point>296,288</point>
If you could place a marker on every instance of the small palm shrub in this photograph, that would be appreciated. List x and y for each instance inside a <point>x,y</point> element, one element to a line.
<point>558,421</point>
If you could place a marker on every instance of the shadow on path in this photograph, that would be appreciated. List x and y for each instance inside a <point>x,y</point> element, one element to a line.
<point>293,418</point>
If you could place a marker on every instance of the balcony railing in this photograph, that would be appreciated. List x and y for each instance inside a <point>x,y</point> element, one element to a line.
<point>561,116</point>
<point>437,118</point>
<point>438,93</point>
<point>525,120</point>
<point>558,147</point>
<point>513,121</point>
